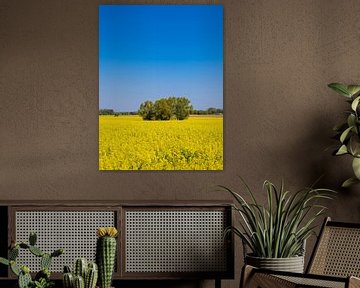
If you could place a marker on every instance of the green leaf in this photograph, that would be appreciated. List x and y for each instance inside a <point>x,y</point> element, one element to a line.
<point>4,261</point>
<point>340,88</point>
<point>342,150</point>
<point>353,89</point>
<point>349,182</point>
<point>345,134</point>
<point>354,145</point>
<point>356,167</point>
<point>355,103</point>
<point>351,120</point>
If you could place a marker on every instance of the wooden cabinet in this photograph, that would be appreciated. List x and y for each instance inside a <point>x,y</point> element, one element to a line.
<point>163,240</point>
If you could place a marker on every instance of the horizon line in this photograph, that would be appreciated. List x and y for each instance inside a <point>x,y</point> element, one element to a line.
<point>138,109</point>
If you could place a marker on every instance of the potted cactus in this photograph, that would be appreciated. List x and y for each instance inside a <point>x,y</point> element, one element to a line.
<point>106,254</point>
<point>85,275</point>
<point>42,278</point>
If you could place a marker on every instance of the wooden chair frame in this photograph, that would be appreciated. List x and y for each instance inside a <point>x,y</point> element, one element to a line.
<point>255,277</point>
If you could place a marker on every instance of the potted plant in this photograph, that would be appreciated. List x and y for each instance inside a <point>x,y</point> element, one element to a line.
<point>42,278</point>
<point>106,254</point>
<point>348,132</point>
<point>276,233</point>
<point>87,274</point>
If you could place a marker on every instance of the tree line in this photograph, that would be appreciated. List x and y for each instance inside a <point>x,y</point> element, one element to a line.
<point>165,109</point>
<point>115,113</point>
<point>209,111</point>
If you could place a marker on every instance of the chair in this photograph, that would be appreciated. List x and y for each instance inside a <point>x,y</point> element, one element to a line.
<point>335,262</point>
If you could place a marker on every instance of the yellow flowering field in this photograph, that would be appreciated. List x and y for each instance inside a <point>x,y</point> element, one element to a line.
<point>130,143</point>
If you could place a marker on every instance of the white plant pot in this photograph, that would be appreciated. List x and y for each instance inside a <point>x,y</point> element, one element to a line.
<point>291,264</point>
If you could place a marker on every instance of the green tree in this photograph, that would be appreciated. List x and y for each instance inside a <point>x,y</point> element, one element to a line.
<point>182,108</point>
<point>166,108</point>
<point>147,110</point>
<point>163,109</point>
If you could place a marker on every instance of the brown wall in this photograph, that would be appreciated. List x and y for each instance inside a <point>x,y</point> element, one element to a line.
<point>279,57</point>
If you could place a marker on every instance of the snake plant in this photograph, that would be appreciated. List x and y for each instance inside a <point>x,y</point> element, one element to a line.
<point>279,228</point>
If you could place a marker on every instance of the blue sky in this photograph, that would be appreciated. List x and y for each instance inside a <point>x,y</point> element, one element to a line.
<point>151,51</point>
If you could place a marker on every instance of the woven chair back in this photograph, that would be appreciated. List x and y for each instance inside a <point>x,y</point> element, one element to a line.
<point>337,252</point>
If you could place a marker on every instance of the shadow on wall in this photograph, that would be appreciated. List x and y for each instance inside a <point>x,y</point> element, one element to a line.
<point>310,155</point>
<point>335,170</point>
<point>309,159</point>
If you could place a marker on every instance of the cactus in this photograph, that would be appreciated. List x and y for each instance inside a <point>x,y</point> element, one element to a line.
<point>42,278</point>
<point>32,238</point>
<point>4,261</point>
<point>68,280</point>
<point>24,279</point>
<point>57,252</point>
<point>91,276</point>
<point>45,261</point>
<point>79,282</point>
<point>24,245</point>
<point>13,253</point>
<point>105,254</point>
<point>81,267</point>
<point>25,269</point>
<point>67,269</point>
<point>36,251</point>
<point>14,268</point>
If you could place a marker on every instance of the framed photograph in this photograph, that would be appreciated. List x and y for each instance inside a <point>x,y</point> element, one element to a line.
<point>161,87</point>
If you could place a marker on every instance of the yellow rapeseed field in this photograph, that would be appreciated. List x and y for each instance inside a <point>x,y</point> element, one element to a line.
<point>130,143</point>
